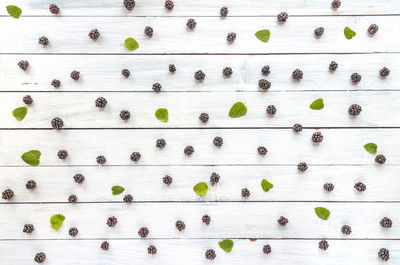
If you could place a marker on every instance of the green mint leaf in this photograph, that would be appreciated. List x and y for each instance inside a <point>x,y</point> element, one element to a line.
<point>317,104</point>
<point>201,188</point>
<point>32,157</point>
<point>371,148</point>
<point>162,114</point>
<point>322,213</point>
<point>237,110</point>
<point>266,186</point>
<point>226,245</point>
<point>20,113</point>
<point>56,221</point>
<point>14,11</point>
<point>348,33</point>
<point>263,35</point>
<point>131,44</point>
<point>116,190</point>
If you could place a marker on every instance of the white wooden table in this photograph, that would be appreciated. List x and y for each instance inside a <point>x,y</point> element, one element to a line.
<point>250,223</point>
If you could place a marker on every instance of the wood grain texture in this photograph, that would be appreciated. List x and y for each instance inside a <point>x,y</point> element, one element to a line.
<point>70,35</point>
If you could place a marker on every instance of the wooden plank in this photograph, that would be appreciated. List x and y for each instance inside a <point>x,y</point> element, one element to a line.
<point>145,183</point>
<point>70,35</point>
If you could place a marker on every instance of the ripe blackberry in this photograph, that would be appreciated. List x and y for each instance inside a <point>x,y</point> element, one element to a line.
<point>346,229</point>
<point>135,156</point>
<point>384,72</point>
<point>373,28</point>
<point>156,87</point>
<point>40,257</point>
<point>317,137</point>
<point>204,117</point>
<point>218,141</point>
<point>355,78</point>
<point>101,160</point>
<point>148,31</point>
<point>335,4</point>
<point>384,254</point>
<point>94,34</point>
<point>125,114</point>
<point>297,74</point>
<point>297,127</point>
<point>128,198</point>
<point>319,31</point>
<point>328,187</point>
<point>43,41</point>
<point>169,5</point>
<point>199,75</point>
<point>380,159</point>
<point>24,65</point>
<point>112,221</point>
<point>180,225</point>
<point>267,249</point>
<point>105,245</point>
<point>129,4</point>
<point>57,123</point>
<point>28,100</point>
<point>79,178</point>
<point>143,232</point>
<point>56,83</point>
<point>231,37</point>
<point>62,154</point>
<point>160,143</point>
<point>355,109</point>
<point>282,17</point>
<point>152,250</point>
<point>210,254</point>
<point>167,180</point>
<point>126,73</point>
<point>189,150</point>
<point>72,198</point>
<point>101,102</point>
<point>54,9</point>
<point>214,178</point>
<point>75,75</point>
<point>333,66</point>
<point>283,221</point>
<point>73,231</point>
<point>245,193</point>
<point>171,68</point>
<point>264,84</point>
<point>359,186</point>
<point>206,219</point>
<point>271,110</point>
<point>386,222</point>
<point>323,244</point>
<point>265,70</point>
<point>302,166</point>
<point>28,228</point>
<point>227,71</point>
<point>191,24</point>
<point>262,150</point>
<point>30,184</point>
<point>223,12</point>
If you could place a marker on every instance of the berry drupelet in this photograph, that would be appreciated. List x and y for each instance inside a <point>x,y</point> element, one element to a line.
<point>262,150</point>
<point>72,198</point>
<point>171,68</point>
<point>333,66</point>
<point>167,180</point>
<point>206,219</point>
<point>28,228</point>
<point>380,159</point>
<point>346,229</point>
<point>24,65</point>
<point>214,178</point>
<point>101,160</point>
<point>152,250</point>
<point>148,31</point>
<point>373,28</point>
<point>57,123</point>
<point>218,141</point>
<point>245,193</point>
<point>169,5</point>
<point>73,231</point>
<point>386,222</point>
<point>94,34</point>
<point>282,17</point>
<point>40,257</point>
<point>143,232</point>
<point>355,109</point>
<point>189,150</point>
<point>231,37</point>
<point>160,143</point>
<point>317,137</point>
<point>271,110</point>
<point>210,254</point>
<point>267,249</point>
<point>101,102</point>
<point>75,75</point>
<point>112,221</point>
<point>129,4</point>
<point>319,31</point>
<point>56,83</point>
<point>180,225</point>
<point>30,185</point>
<point>62,154</point>
<point>199,75</point>
<point>204,117</point>
<point>79,178</point>
<point>384,72</point>
<point>125,115</point>
<point>360,187</point>
<point>264,84</point>
<point>302,166</point>
<point>135,156</point>
<point>54,9</point>
<point>156,87</point>
<point>128,198</point>
<point>28,100</point>
<point>355,78</point>
<point>227,72</point>
<point>125,73</point>
<point>384,254</point>
<point>336,4</point>
<point>43,41</point>
<point>105,245</point>
<point>283,221</point>
<point>223,12</point>
<point>191,24</point>
<point>297,74</point>
<point>297,127</point>
<point>323,244</point>
<point>328,187</point>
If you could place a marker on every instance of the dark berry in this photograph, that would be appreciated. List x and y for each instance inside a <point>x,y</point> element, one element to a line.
<point>143,232</point>
<point>30,184</point>
<point>319,31</point>
<point>384,72</point>
<point>105,245</point>
<point>160,143</point>
<point>264,84</point>
<point>282,17</point>
<point>271,110</point>
<point>129,4</point>
<point>223,12</point>
<point>75,75</point>
<point>73,231</point>
<point>191,24</point>
<point>355,109</point>
<point>56,83</point>
<point>169,5</point>
<point>297,74</point>
<point>189,150</point>
<point>79,178</point>
<point>333,66</point>
<point>28,100</point>
<point>210,254</point>
<point>126,73</point>
<point>373,28</point>
<point>283,221</point>
<point>386,222</point>
<point>384,254</point>
<point>180,225</point>
<point>245,193</point>
<point>62,154</point>
<point>135,156</point>
<point>199,75</point>
<point>355,78</point>
<point>302,166</point>
<point>323,244</point>
<point>72,198</point>
<point>262,150</point>
<point>148,31</point>
<point>156,87</point>
<point>265,70</point>
<point>28,228</point>
<point>40,257</point>
<point>335,4</point>
<point>346,229</point>
<point>57,123</point>
<point>359,186</point>
<point>204,117</point>
<point>171,68</point>
<point>297,127</point>
<point>206,219</point>
<point>43,41</point>
<point>214,178</point>
<point>112,221</point>
<point>317,137</point>
<point>167,180</point>
<point>227,71</point>
<point>54,9</point>
<point>125,114</point>
<point>328,187</point>
<point>101,102</point>
<point>128,198</point>
<point>152,250</point>
<point>267,249</point>
<point>380,159</point>
<point>24,65</point>
<point>101,160</point>
<point>94,34</point>
<point>231,37</point>
<point>218,141</point>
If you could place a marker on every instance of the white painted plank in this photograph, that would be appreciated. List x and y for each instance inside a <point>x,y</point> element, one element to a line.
<point>179,251</point>
<point>70,35</point>
<point>55,184</point>
<point>103,72</point>
<point>206,8</point>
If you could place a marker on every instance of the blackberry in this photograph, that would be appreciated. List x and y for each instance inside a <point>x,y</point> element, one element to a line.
<point>335,4</point>
<point>143,232</point>
<point>128,198</point>
<point>346,229</point>
<point>384,254</point>
<point>24,65</point>
<point>267,249</point>
<point>282,17</point>
<point>125,114</point>
<point>264,84</point>
<point>94,34</point>
<point>79,178</point>
<point>214,178</point>
<point>204,117</point>
<point>73,231</point>
<point>62,154</point>
<point>54,9</point>
<point>199,75</point>
<point>355,78</point>
<point>167,180</point>
<point>101,102</point>
<point>302,166</point>
<point>180,225</point>
<point>384,72</point>
<point>245,193</point>
<point>328,187</point>
<point>206,219</point>
<point>43,41</point>
<point>28,228</point>
<point>380,159</point>
<point>359,186</point>
<point>319,31</point>
<point>156,87</point>
<point>227,71</point>
<point>297,74</point>
<point>191,24</point>
<point>160,143</point>
<point>189,150</point>
<point>152,250</point>
<point>283,221</point>
<point>210,254</point>
<point>333,66</point>
<point>373,28</point>
<point>171,68</point>
<point>223,12</point>
<point>297,127</point>
<point>129,4</point>
<point>271,110</point>
<point>101,160</point>
<point>218,141</point>
<point>317,137</point>
<point>169,5</point>
<point>386,222</point>
<point>57,123</point>
<point>355,109</point>
<point>105,245</point>
<point>231,37</point>
<point>323,244</point>
<point>75,75</point>
<point>135,156</point>
<point>28,100</point>
<point>148,31</point>
<point>40,257</point>
<point>56,83</point>
<point>72,198</point>
<point>30,184</point>
<point>265,70</point>
<point>112,221</point>
<point>262,150</point>
<point>126,73</point>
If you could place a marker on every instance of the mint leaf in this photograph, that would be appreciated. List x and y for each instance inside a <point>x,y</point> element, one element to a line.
<point>322,213</point>
<point>201,188</point>
<point>20,113</point>
<point>348,33</point>
<point>317,104</point>
<point>32,157</point>
<point>371,148</point>
<point>226,245</point>
<point>266,186</point>
<point>116,190</point>
<point>56,221</point>
<point>263,35</point>
<point>237,110</point>
<point>162,114</point>
<point>14,11</point>
<point>131,44</point>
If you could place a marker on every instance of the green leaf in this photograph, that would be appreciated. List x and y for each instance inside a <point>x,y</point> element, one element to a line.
<point>162,114</point>
<point>32,157</point>
<point>14,11</point>
<point>131,44</point>
<point>56,221</point>
<point>201,188</point>
<point>263,35</point>
<point>237,110</point>
<point>266,186</point>
<point>348,33</point>
<point>371,148</point>
<point>226,245</point>
<point>317,104</point>
<point>116,190</point>
<point>20,113</point>
<point>322,213</point>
